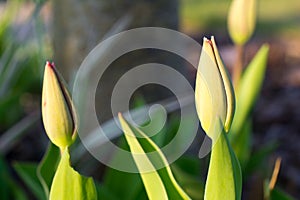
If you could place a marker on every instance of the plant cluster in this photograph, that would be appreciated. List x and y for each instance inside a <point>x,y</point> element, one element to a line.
<point>224,111</point>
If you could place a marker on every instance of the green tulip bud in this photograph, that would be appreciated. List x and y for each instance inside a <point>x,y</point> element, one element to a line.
<point>58,112</point>
<point>214,93</point>
<point>241,20</point>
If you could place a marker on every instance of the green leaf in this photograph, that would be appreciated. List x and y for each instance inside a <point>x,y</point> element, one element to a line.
<point>69,184</point>
<point>112,177</point>
<point>27,171</point>
<point>224,179</point>
<point>277,194</point>
<point>47,167</point>
<point>4,189</point>
<point>193,186</point>
<point>241,144</point>
<point>159,184</point>
<point>190,164</point>
<point>257,160</point>
<point>105,192</point>
<point>249,88</point>
<point>9,188</point>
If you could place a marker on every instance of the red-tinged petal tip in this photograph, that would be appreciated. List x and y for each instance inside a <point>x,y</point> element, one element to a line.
<point>48,64</point>
<point>209,41</point>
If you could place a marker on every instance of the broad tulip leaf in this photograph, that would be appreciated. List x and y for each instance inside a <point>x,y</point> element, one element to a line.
<point>159,184</point>
<point>27,171</point>
<point>47,167</point>
<point>69,184</point>
<point>249,88</point>
<point>224,179</point>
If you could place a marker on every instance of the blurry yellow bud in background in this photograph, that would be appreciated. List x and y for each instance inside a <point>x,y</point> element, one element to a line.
<point>241,20</point>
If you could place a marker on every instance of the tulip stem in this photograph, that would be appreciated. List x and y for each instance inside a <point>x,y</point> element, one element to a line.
<point>238,67</point>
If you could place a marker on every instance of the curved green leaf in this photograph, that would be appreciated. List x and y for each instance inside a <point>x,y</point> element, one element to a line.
<point>224,179</point>
<point>47,167</point>
<point>69,184</point>
<point>249,88</point>
<point>159,184</point>
<point>27,171</point>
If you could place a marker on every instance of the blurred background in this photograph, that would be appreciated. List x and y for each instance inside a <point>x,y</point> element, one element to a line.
<point>33,31</point>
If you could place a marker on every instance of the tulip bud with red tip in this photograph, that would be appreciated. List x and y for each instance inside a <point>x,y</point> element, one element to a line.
<point>58,112</point>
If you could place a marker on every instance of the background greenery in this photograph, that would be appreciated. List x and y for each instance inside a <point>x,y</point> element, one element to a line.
<point>25,44</point>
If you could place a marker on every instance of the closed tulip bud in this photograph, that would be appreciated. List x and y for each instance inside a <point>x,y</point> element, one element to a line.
<point>241,20</point>
<point>58,112</point>
<point>214,96</point>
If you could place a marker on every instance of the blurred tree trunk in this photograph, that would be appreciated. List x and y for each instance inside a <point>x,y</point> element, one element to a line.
<point>80,25</point>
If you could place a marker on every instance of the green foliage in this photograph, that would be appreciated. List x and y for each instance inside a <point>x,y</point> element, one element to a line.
<point>133,189</point>
<point>270,191</point>
<point>27,171</point>
<point>112,188</point>
<point>69,184</point>
<point>159,184</point>
<point>242,143</point>
<point>186,171</point>
<point>20,58</point>
<point>278,194</point>
<point>9,188</point>
<point>249,88</point>
<point>47,167</point>
<point>257,160</point>
<point>214,91</point>
<point>224,179</point>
